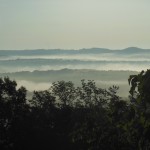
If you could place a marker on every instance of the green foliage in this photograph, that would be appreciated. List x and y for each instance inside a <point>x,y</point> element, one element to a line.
<point>140,100</point>
<point>12,107</point>
<point>77,118</point>
<point>64,92</point>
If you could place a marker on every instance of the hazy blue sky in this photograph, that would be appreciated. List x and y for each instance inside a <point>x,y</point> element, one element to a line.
<point>31,24</point>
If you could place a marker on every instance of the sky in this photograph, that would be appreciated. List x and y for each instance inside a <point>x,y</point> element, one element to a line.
<point>74,24</point>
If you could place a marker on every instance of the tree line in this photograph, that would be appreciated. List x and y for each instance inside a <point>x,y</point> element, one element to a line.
<point>75,118</point>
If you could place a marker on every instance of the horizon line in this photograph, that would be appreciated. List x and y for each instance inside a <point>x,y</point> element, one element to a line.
<point>74,48</point>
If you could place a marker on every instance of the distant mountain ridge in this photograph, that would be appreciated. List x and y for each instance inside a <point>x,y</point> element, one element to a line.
<point>63,51</point>
<point>131,58</point>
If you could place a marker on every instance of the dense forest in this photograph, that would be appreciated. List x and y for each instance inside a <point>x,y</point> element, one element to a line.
<point>75,118</point>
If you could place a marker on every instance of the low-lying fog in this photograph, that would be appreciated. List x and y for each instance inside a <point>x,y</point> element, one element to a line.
<point>105,67</point>
<point>42,80</point>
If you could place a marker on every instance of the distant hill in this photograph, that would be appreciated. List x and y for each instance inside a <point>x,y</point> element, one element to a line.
<point>70,74</point>
<point>133,50</point>
<point>103,79</point>
<point>62,51</point>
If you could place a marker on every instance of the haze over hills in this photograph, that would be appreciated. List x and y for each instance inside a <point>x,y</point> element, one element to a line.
<point>42,80</point>
<point>39,68</point>
<point>71,51</point>
<point>133,59</point>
